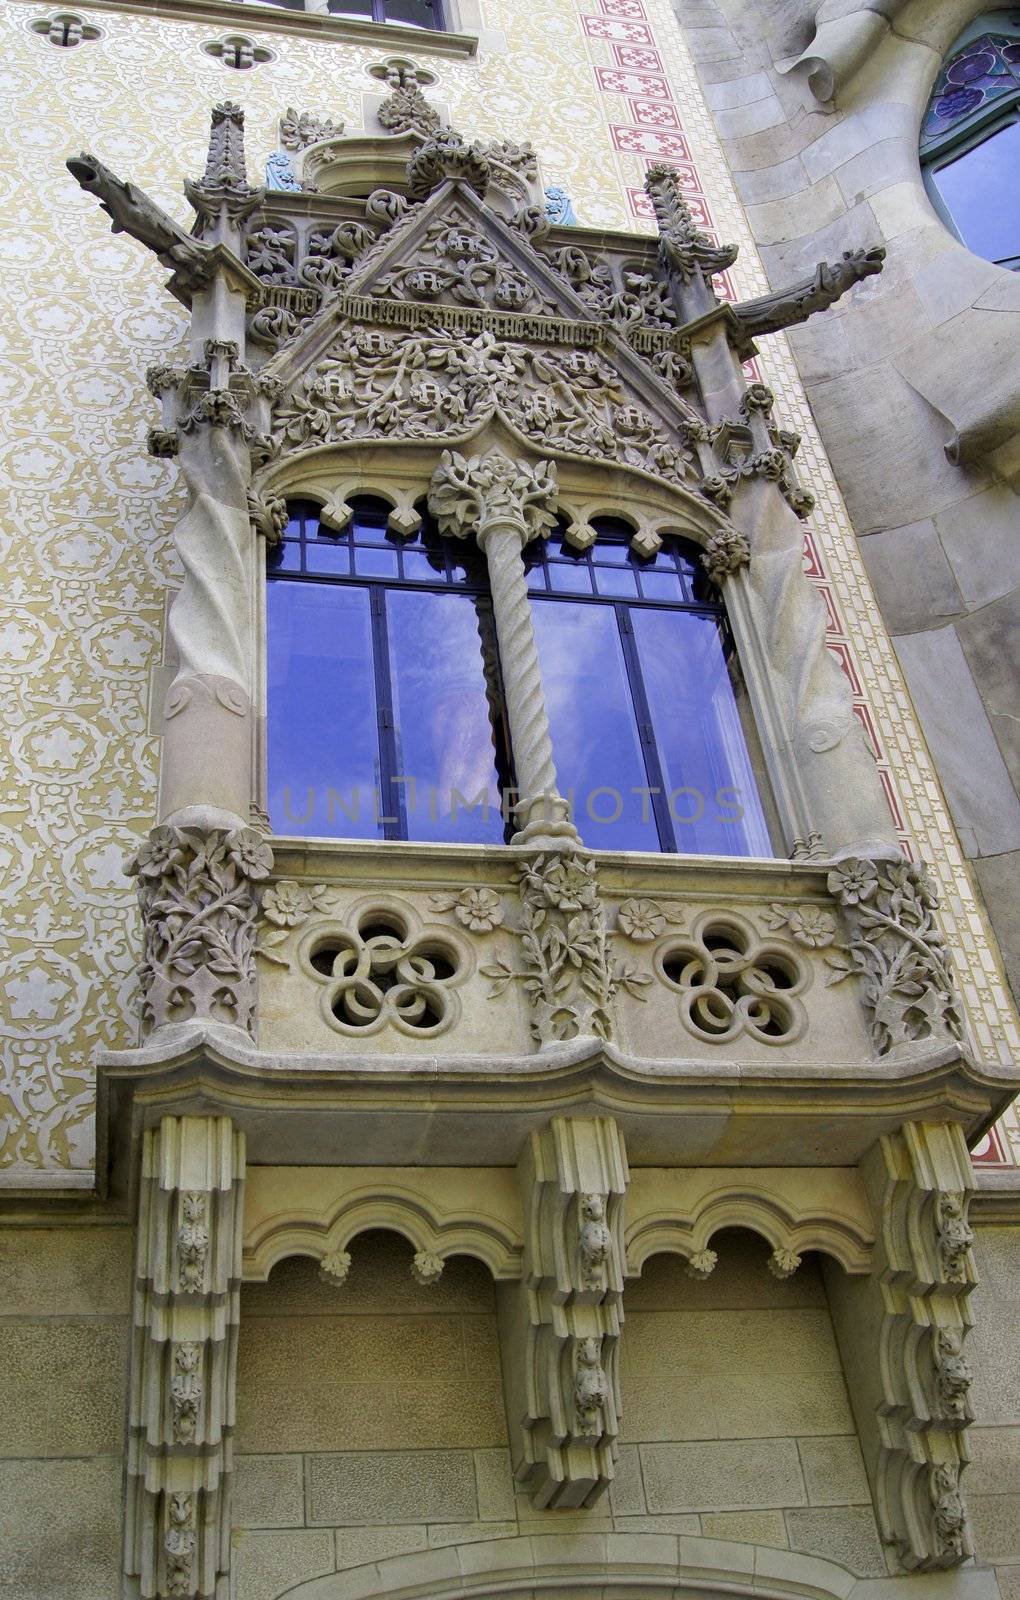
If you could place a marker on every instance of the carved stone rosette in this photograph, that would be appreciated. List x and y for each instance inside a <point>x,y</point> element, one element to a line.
<point>561,1325</point>
<point>920,1182</point>
<point>183,1357</point>
<point>199,897</point>
<point>896,948</point>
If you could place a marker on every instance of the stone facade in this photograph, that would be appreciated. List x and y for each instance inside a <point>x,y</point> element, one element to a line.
<point>398,1218</point>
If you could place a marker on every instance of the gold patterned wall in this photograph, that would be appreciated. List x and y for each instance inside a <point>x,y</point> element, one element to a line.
<point>601,87</point>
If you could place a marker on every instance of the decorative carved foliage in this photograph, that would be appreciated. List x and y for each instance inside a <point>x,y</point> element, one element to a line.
<point>466,494</point>
<point>643,920</point>
<point>426,1268</point>
<point>564,1367</point>
<point>567,967</point>
<point>701,1265</point>
<point>271,253</point>
<point>268,515</point>
<point>783,1263</point>
<point>952,1374</point>
<point>335,1268</point>
<point>896,948</point>
<point>381,971</point>
<point>455,261</point>
<point>433,384</point>
<point>478,910</point>
<point>198,894</point>
<point>685,252</point>
<point>192,1242</point>
<point>955,1236</point>
<point>445,156</point>
<point>299,129</point>
<point>809,926</point>
<point>730,983</point>
<point>727,551</point>
<point>179,1543</point>
<point>405,109</point>
<point>225,164</point>
<point>185,1390</point>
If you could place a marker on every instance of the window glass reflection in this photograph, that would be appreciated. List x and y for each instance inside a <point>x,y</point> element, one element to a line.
<point>443,717</point>
<point>979,190</point>
<point>323,754</point>
<point>591,718</point>
<point>711,792</point>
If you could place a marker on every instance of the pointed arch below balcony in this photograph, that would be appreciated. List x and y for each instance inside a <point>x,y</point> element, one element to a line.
<point>795,1210</point>
<point>317,1212</point>
<point>582,1566</point>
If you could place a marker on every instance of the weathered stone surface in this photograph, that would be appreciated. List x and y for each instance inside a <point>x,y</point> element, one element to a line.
<point>356,1546</point>
<point>264,1565</point>
<point>627,1492</point>
<point>733,1476</point>
<point>845,1534</point>
<point>996,1521</point>
<point>63,1388</point>
<point>268,1492</point>
<point>62,1271</point>
<point>495,1485</point>
<point>834,1471</point>
<point>979,535</point>
<point>961,740</point>
<point>391,1485</point>
<point>62,1529</point>
<point>911,572</point>
<point>998,877</point>
<point>745,1527</point>
<point>991,642</point>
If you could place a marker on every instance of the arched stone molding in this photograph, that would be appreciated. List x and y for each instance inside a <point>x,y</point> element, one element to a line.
<point>611,1565</point>
<point>795,1210</point>
<point>317,1212</point>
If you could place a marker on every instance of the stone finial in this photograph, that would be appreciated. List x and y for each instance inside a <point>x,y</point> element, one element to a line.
<point>684,250</point>
<point>405,109</point>
<point>225,166</point>
<point>444,156</point>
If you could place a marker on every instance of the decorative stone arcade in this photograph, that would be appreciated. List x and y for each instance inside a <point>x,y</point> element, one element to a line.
<point>442,340</point>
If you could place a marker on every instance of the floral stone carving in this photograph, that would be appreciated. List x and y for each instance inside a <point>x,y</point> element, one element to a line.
<point>478,910</point>
<point>568,972</point>
<point>299,129</point>
<point>199,897</point>
<point>952,1374</point>
<point>374,384</point>
<point>896,948</point>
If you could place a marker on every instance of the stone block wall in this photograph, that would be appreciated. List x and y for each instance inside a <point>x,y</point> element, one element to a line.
<point>993,1348</point>
<point>65,1298</point>
<point>371,1421</point>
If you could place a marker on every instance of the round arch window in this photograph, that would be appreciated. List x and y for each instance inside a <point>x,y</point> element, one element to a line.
<point>970,138</point>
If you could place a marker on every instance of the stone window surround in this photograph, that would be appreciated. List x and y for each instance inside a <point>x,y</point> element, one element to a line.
<point>314,24</point>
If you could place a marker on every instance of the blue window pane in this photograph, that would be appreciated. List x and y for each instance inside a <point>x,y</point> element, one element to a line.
<point>285,557</point>
<point>979,190</point>
<point>329,558</point>
<point>713,798</point>
<point>413,13</point>
<point>616,581</point>
<point>594,730</point>
<point>536,581</point>
<point>323,750</point>
<point>661,586</point>
<point>420,568</point>
<point>441,710</point>
<point>371,533</point>
<point>569,579</point>
<point>375,563</point>
<point>609,553</point>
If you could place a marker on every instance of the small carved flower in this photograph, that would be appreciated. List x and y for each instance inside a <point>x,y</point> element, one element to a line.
<point>158,854</point>
<point>640,920</point>
<point>481,910</point>
<point>812,927</point>
<point>250,853</point>
<point>568,885</point>
<point>854,881</point>
<point>286,904</point>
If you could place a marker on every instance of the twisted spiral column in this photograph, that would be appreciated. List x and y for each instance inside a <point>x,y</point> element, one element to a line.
<point>540,809</point>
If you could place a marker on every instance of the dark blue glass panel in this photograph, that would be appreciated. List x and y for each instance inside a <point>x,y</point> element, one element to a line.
<point>616,581</point>
<point>609,553</point>
<point>980,191</point>
<point>375,563</point>
<point>334,559</point>
<point>569,579</point>
<point>441,711</point>
<point>323,751</point>
<point>713,798</point>
<point>661,585</point>
<point>284,557</point>
<point>420,568</point>
<point>594,730</point>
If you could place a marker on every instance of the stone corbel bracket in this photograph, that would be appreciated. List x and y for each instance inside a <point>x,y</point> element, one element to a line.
<point>560,1327</point>
<point>902,1333</point>
<point>184,1357</point>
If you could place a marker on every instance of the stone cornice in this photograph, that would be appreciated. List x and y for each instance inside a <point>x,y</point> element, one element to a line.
<point>997,1197</point>
<point>307,24</point>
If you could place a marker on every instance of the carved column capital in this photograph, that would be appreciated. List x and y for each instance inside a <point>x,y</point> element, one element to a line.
<point>199,896</point>
<point>481,494</point>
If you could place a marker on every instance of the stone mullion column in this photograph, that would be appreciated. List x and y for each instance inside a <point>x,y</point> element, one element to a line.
<point>503,504</point>
<point>184,1358</point>
<point>560,1327</point>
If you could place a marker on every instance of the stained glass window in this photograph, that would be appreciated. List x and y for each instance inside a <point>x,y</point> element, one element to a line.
<point>970,139</point>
